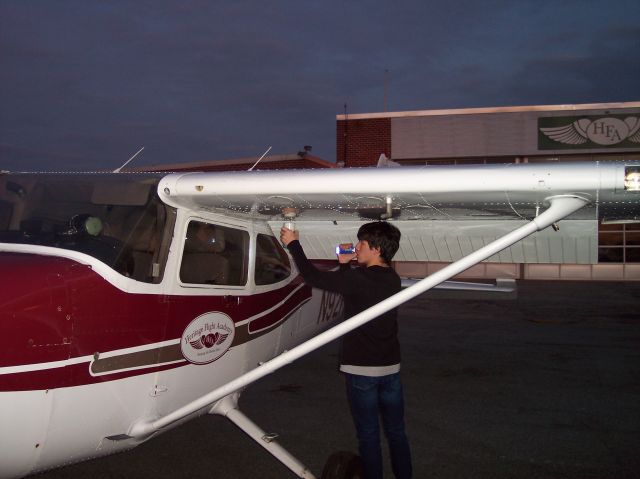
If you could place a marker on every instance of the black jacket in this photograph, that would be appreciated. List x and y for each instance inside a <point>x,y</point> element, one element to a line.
<point>376,342</point>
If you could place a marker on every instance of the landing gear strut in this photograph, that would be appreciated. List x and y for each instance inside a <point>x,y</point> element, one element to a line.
<point>228,407</point>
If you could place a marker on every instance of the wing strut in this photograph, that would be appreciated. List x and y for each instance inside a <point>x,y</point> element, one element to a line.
<point>560,207</point>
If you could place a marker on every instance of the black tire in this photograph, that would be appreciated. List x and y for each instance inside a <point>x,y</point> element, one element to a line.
<point>343,465</point>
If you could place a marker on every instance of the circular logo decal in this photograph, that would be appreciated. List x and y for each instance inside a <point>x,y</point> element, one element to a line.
<point>608,131</point>
<point>207,338</point>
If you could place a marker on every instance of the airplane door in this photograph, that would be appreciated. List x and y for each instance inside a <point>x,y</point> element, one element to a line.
<point>212,286</point>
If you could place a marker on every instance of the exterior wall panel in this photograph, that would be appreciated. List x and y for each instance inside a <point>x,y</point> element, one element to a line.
<point>483,135</point>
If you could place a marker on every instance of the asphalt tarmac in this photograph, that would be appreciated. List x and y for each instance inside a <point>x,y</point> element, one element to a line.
<point>543,386</point>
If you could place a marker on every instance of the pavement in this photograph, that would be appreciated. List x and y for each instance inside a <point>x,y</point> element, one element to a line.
<point>546,385</point>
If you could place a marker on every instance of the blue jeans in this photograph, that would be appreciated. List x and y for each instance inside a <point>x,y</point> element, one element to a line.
<point>369,398</point>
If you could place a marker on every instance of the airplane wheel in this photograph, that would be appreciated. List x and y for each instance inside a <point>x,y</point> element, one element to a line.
<point>343,465</point>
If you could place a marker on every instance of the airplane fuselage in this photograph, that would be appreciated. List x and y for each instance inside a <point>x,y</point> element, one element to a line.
<point>86,349</point>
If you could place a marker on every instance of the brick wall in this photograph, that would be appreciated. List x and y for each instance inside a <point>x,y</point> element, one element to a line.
<point>361,142</point>
<point>271,165</point>
<point>277,162</point>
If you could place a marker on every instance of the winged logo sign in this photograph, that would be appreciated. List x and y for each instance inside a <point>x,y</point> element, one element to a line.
<point>588,132</point>
<point>208,341</point>
<point>205,339</point>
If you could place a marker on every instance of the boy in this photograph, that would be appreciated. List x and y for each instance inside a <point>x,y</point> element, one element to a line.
<point>370,355</point>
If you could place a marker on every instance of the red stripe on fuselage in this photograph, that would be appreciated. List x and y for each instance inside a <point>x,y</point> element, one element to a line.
<point>68,376</point>
<point>280,313</point>
<point>53,309</point>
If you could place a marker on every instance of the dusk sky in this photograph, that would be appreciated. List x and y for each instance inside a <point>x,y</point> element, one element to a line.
<point>84,84</point>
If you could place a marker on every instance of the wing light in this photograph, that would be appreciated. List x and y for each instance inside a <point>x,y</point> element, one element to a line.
<point>632,178</point>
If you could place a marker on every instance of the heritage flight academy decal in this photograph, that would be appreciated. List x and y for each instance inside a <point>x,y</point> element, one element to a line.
<point>584,132</point>
<point>207,338</point>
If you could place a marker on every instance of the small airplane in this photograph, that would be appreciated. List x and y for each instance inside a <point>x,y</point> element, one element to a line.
<point>131,303</point>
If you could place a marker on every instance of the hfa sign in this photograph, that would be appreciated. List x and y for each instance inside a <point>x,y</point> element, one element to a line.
<point>585,132</point>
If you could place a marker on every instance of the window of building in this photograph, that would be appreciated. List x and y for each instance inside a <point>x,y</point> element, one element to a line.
<point>619,243</point>
<point>214,254</point>
<point>272,263</point>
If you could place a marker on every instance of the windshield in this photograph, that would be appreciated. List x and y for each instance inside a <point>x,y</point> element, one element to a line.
<point>116,218</point>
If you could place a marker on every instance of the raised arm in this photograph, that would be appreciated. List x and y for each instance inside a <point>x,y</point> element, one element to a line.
<point>338,281</point>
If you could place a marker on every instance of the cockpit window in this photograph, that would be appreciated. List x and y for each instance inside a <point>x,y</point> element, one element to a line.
<point>117,219</point>
<point>272,263</point>
<point>214,254</point>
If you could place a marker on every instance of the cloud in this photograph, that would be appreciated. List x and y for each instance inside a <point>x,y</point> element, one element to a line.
<point>605,71</point>
<point>200,80</point>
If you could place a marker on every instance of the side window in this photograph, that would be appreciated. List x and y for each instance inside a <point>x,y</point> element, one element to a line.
<point>142,233</point>
<point>272,263</point>
<point>214,254</point>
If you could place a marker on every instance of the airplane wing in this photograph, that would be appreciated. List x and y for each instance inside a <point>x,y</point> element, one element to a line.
<point>533,196</point>
<point>444,212</point>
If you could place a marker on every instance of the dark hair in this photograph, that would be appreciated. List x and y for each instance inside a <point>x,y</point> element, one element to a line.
<point>383,235</point>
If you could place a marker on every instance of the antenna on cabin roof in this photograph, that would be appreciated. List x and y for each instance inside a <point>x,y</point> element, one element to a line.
<point>117,170</point>
<point>263,155</point>
<point>386,90</point>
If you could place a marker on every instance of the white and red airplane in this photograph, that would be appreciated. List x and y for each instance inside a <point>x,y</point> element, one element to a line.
<point>130,303</point>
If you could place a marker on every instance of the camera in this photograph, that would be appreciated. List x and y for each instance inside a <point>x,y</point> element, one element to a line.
<point>345,248</point>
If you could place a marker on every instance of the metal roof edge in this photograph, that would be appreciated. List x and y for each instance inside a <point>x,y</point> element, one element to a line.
<point>499,109</point>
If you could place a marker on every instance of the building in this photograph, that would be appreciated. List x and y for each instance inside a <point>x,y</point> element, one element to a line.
<point>587,132</point>
<point>302,159</point>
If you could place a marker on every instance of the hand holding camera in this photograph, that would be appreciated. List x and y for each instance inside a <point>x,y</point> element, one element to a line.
<point>346,252</point>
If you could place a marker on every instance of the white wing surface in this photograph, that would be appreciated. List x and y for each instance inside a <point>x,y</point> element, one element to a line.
<point>448,209</point>
<point>429,192</point>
